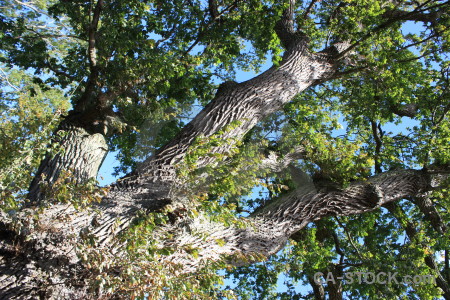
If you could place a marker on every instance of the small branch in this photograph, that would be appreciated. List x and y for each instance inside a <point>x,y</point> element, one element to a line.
<point>421,41</point>
<point>447,264</point>
<point>378,145</point>
<point>213,11</point>
<point>5,77</point>
<point>428,209</point>
<point>338,247</point>
<point>46,36</point>
<point>202,31</point>
<point>411,231</point>
<point>57,71</point>
<point>309,9</point>
<point>413,15</point>
<point>350,239</point>
<point>31,7</point>
<point>441,118</point>
<point>426,53</point>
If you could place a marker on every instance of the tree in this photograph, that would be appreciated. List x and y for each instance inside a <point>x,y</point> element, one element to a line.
<point>368,200</point>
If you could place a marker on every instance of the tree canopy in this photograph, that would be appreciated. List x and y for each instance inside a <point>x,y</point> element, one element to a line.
<point>335,160</point>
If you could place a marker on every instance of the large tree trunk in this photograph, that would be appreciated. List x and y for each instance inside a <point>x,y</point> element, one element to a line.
<point>79,153</point>
<point>39,254</point>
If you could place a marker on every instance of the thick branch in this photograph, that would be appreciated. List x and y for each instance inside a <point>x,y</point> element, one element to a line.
<point>81,154</point>
<point>377,135</point>
<point>274,224</point>
<point>427,207</point>
<point>417,16</point>
<point>318,290</point>
<point>92,34</point>
<point>357,198</point>
<point>243,105</point>
<point>406,110</point>
<point>285,27</point>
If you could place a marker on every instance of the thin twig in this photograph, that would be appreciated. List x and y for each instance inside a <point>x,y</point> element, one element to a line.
<point>5,77</point>
<point>309,9</point>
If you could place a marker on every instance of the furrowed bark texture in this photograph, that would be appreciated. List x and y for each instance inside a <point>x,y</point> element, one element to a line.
<point>47,264</point>
<point>246,103</point>
<point>39,254</point>
<point>249,102</point>
<point>79,152</point>
<point>274,224</point>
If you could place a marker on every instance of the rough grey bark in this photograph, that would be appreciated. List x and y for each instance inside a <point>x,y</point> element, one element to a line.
<point>61,227</point>
<point>39,258</point>
<point>78,152</point>
<point>250,101</point>
<point>318,290</point>
<point>427,207</point>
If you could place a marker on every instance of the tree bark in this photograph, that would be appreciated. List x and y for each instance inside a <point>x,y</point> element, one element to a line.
<point>35,246</point>
<point>38,249</point>
<point>78,152</point>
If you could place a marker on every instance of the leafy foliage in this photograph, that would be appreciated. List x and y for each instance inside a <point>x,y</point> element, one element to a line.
<point>138,272</point>
<point>163,60</point>
<point>30,111</point>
